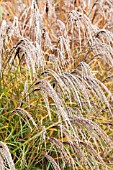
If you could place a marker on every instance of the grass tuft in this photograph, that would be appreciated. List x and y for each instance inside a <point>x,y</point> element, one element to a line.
<point>56,85</point>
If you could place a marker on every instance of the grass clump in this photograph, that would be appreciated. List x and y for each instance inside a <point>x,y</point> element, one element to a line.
<point>56,88</point>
